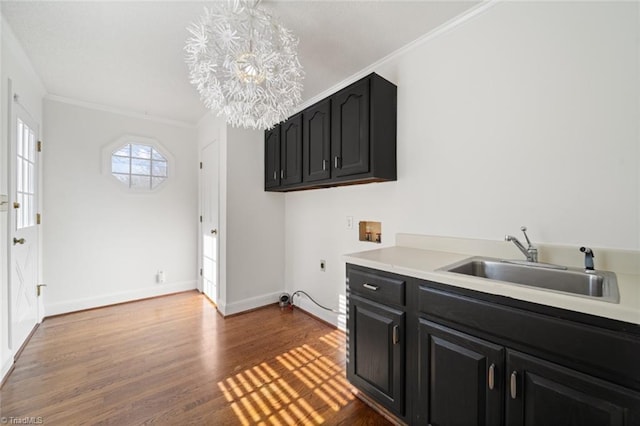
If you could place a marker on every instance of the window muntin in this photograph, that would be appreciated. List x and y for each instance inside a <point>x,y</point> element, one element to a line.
<point>25,175</point>
<point>139,166</point>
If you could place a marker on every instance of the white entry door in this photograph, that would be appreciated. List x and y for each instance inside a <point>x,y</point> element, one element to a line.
<point>23,237</point>
<point>209,225</point>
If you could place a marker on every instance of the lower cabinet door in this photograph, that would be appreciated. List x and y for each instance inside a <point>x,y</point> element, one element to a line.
<point>377,352</point>
<point>542,393</point>
<point>460,378</point>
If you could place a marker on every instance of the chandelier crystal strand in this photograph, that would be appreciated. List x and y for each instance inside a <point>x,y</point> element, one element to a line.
<point>244,64</point>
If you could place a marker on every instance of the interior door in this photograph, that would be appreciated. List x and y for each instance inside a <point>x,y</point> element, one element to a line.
<point>209,225</point>
<point>23,237</point>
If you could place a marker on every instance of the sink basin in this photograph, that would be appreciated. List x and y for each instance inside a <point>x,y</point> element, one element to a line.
<point>600,285</point>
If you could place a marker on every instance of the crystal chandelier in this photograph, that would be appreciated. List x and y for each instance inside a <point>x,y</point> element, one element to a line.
<point>244,64</point>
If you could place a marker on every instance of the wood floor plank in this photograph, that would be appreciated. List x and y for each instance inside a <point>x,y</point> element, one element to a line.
<point>173,360</point>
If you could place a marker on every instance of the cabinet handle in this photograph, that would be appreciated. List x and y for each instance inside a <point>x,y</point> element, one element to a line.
<point>281,174</point>
<point>370,287</point>
<point>491,378</point>
<point>275,175</point>
<point>336,159</point>
<point>324,165</point>
<point>513,390</point>
<point>396,337</point>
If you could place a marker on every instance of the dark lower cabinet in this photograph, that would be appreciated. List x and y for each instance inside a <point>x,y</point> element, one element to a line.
<point>437,355</point>
<point>377,351</point>
<point>460,378</point>
<point>542,393</point>
<point>464,380</point>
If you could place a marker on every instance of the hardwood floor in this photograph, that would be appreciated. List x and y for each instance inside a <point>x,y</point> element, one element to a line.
<point>173,360</point>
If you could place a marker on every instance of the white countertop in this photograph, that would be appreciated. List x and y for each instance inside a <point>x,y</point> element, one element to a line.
<point>423,263</point>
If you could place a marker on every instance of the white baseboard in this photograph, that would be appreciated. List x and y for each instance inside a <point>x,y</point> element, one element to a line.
<point>222,307</point>
<point>110,299</point>
<point>250,303</point>
<point>338,320</point>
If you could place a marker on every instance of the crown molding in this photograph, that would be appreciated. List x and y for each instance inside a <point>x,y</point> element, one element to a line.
<point>431,35</point>
<point>119,111</point>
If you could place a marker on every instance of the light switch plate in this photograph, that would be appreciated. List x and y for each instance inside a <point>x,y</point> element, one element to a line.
<point>349,222</point>
<point>4,202</point>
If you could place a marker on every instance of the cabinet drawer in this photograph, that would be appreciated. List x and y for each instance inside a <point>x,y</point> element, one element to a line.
<point>377,287</point>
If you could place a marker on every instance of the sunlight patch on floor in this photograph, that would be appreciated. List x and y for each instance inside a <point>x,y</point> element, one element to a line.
<point>307,384</point>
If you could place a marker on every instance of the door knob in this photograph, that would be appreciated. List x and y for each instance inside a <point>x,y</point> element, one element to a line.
<point>16,205</point>
<point>18,241</point>
<point>39,287</point>
<point>214,231</point>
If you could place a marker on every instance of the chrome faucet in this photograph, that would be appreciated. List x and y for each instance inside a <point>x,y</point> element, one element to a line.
<point>588,259</point>
<point>530,252</point>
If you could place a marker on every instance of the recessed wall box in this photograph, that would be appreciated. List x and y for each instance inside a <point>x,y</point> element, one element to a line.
<point>370,231</point>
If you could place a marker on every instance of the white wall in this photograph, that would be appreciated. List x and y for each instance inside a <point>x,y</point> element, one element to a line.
<point>251,221</point>
<point>254,225</point>
<point>15,66</point>
<point>526,114</point>
<point>102,243</point>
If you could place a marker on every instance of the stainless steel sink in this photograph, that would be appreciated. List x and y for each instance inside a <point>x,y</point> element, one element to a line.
<point>599,285</point>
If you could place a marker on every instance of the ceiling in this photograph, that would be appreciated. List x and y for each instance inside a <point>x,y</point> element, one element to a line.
<point>129,54</point>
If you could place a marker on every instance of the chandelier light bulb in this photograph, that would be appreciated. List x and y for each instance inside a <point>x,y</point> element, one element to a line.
<point>244,64</point>
<point>248,70</point>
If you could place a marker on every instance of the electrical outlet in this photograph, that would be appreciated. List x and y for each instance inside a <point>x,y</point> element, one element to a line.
<point>160,277</point>
<point>349,222</point>
<point>323,265</point>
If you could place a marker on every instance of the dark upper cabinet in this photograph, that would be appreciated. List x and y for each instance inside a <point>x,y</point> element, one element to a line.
<point>460,378</point>
<point>283,154</point>
<point>316,142</point>
<point>291,151</point>
<point>272,158</point>
<point>347,138</point>
<point>541,393</point>
<point>350,130</point>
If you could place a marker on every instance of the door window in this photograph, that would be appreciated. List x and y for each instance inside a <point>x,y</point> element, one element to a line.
<point>25,175</point>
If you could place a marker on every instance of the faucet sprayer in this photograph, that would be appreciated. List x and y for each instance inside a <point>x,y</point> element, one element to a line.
<point>588,259</point>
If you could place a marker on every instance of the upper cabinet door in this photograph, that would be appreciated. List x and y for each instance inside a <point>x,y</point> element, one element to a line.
<point>291,150</point>
<point>272,157</point>
<point>350,130</point>
<point>316,141</point>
